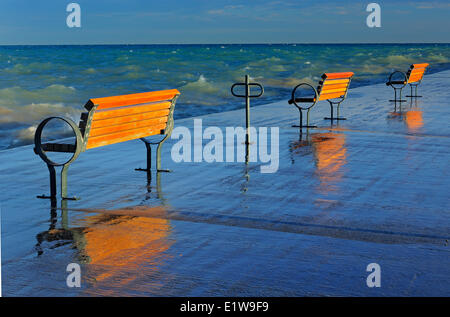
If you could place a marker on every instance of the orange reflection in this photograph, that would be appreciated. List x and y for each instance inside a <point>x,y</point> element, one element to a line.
<point>121,241</point>
<point>330,154</point>
<point>414,120</point>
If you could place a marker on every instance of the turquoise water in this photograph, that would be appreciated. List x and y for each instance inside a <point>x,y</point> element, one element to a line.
<point>39,81</point>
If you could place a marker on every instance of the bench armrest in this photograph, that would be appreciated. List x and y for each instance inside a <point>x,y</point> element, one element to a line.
<point>395,82</point>
<point>301,100</point>
<point>59,147</point>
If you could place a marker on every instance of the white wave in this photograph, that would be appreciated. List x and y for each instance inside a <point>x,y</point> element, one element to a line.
<point>33,113</point>
<point>17,96</point>
<point>201,86</point>
<point>26,134</point>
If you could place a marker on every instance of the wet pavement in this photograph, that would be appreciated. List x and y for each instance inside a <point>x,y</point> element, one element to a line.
<point>372,189</point>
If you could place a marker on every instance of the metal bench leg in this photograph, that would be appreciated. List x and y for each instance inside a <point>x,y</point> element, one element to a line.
<point>400,95</point>
<point>149,158</point>
<point>332,112</point>
<point>339,118</point>
<point>52,173</point>
<point>301,120</point>
<point>64,184</point>
<point>307,120</point>
<point>414,94</point>
<point>64,215</point>
<point>158,156</point>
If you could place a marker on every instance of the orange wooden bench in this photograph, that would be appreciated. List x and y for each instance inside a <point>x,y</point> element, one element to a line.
<point>413,77</point>
<point>108,121</point>
<point>333,87</point>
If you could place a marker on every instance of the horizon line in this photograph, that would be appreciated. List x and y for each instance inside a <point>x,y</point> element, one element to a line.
<point>275,43</point>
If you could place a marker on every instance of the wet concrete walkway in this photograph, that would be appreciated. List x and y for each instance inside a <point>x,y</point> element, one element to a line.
<point>374,188</point>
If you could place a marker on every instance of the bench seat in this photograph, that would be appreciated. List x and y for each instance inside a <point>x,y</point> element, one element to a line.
<point>111,120</point>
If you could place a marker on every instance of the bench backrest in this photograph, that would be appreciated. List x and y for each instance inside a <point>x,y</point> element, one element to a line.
<point>121,118</point>
<point>415,72</point>
<point>334,85</point>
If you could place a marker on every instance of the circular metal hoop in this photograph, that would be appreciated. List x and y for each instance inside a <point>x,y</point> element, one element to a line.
<point>398,72</point>
<point>38,141</point>
<point>250,95</point>
<point>295,102</point>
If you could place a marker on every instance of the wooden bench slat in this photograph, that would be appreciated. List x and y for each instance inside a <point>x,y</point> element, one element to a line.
<point>132,99</point>
<point>172,92</point>
<point>334,82</point>
<point>130,118</point>
<point>337,75</point>
<point>331,96</point>
<point>413,80</point>
<point>419,75</point>
<point>423,65</point>
<point>96,131</point>
<point>416,74</point>
<point>124,136</point>
<point>127,111</point>
<point>329,91</point>
<point>333,86</point>
<point>417,71</point>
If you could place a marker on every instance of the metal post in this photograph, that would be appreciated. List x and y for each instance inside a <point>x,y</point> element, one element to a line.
<point>247,97</point>
<point>51,169</point>
<point>301,119</point>
<point>64,183</point>
<point>247,110</point>
<point>158,186</point>
<point>307,118</point>
<point>64,215</point>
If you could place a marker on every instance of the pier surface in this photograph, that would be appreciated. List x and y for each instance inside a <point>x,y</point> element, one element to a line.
<point>372,189</point>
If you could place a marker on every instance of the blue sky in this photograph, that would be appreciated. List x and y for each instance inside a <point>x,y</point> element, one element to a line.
<point>220,21</point>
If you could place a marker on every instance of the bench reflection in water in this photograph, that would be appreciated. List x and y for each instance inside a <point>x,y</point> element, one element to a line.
<point>414,120</point>
<point>117,245</point>
<point>330,155</point>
